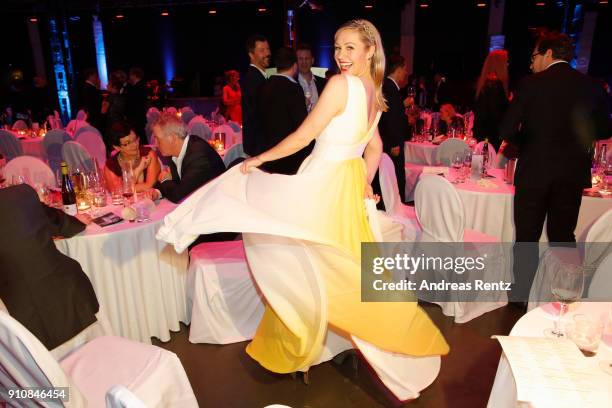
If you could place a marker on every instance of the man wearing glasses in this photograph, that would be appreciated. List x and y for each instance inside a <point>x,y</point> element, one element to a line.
<point>560,113</point>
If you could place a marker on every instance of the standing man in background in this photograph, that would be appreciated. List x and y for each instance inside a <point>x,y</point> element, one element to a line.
<point>311,84</point>
<point>259,54</point>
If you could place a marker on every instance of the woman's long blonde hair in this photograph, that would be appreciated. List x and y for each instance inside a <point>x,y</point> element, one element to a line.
<point>371,38</point>
<point>494,67</point>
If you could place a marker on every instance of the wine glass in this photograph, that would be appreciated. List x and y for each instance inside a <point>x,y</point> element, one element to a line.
<point>566,286</point>
<point>467,163</point>
<point>128,187</point>
<point>457,163</point>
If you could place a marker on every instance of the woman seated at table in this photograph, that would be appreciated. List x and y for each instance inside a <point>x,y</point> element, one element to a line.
<point>449,119</point>
<point>143,159</point>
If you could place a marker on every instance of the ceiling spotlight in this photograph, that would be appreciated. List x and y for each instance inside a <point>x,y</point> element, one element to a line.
<point>74,18</point>
<point>369,6</point>
<point>540,4</point>
<point>33,20</point>
<point>481,5</point>
<point>423,5</point>
<point>212,11</point>
<point>262,9</point>
<point>119,16</point>
<point>603,1</point>
<point>164,13</point>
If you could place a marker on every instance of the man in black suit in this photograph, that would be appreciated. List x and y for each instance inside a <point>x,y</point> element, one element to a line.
<point>259,55</point>
<point>311,84</point>
<point>441,92</point>
<point>560,112</point>
<point>137,102</point>
<point>282,110</point>
<point>393,124</point>
<point>42,288</point>
<point>91,98</point>
<point>194,163</point>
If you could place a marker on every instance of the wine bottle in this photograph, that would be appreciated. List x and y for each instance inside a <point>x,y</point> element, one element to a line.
<point>485,156</point>
<point>68,194</point>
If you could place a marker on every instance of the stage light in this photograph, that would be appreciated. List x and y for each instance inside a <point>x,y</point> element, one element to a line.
<point>604,2</point>
<point>75,18</point>
<point>212,12</point>
<point>164,14</point>
<point>368,6</point>
<point>481,5</point>
<point>262,9</point>
<point>33,20</point>
<point>119,16</point>
<point>540,4</point>
<point>423,5</point>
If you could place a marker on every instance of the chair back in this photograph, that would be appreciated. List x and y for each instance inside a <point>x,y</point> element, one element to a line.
<point>34,170</point>
<point>601,284</point>
<point>598,242</point>
<point>439,209</point>
<point>77,157</point>
<point>447,149</point>
<point>492,154</point>
<point>235,126</point>
<point>25,362</point>
<point>187,115</point>
<point>10,146</point>
<point>91,140</point>
<point>20,125</point>
<point>200,129</point>
<point>120,397</point>
<point>53,142</point>
<point>388,184</point>
<point>234,152</point>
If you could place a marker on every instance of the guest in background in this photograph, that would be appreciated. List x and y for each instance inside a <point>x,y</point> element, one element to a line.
<point>137,101</point>
<point>393,124</point>
<point>42,103</point>
<point>115,106</point>
<point>441,92</point>
<point>142,159</point>
<point>194,163</point>
<point>491,97</point>
<point>232,97</point>
<point>91,99</point>
<point>560,112</point>
<point>42,288</point>
<point>311,84</point>
<point>282,110</point>
<point>448,119</point>
<point>259,54</point>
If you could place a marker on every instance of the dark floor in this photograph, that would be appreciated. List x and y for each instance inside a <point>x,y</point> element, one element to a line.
<point>224,376</point>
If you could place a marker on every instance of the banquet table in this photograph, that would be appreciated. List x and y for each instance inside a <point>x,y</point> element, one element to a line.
<point>533,324</point>
<point>420,153</point>
<point>34,147</point>
<point>488,207</point>
<point>139,281</point>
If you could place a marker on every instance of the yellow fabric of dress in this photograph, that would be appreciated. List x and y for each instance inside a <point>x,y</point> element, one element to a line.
<point>302,237</point>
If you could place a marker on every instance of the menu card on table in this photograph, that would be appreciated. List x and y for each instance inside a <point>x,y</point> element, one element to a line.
<point>553,373</point>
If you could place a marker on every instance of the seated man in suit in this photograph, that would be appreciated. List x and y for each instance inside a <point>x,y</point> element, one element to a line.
<point>311,84</point>
<point>282,110</point>
<point>194,163</point>
<point>45,290</point>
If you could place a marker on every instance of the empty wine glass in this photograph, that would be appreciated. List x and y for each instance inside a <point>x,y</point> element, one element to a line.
<point>566,286</point>
<point>457,163</point>
<point>467,163</point>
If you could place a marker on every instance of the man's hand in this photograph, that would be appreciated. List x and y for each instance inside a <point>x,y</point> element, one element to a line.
<point>164,175</point>
<point>395,151</point>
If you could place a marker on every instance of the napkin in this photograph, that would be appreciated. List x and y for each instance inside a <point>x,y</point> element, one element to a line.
<point>438,170</point>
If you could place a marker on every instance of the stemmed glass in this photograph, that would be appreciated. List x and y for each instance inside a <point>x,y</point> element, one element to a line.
<point>467,163</point>
<point>128,186</point>
<point>566,286</point>
<point>457,162</point>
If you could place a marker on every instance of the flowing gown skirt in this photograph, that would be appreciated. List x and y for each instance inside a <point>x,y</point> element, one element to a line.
<point>302,237</point>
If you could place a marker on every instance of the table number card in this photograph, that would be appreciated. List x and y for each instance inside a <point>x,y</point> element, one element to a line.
<point>552,373</point>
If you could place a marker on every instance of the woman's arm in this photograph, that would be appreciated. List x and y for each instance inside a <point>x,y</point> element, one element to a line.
<point>372,154</point>
<point>153,169</point>
<point>111,180</point>
<point>331,103</point>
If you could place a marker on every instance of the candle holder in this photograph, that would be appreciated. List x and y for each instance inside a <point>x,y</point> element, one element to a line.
<point>83,202</point>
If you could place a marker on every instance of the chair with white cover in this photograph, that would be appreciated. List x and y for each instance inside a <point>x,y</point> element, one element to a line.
<point>10,146</point>
<point>20,125</point>
<point>152,374</point>
<point>441,215</point>
<point>601,284</point>
<point>53,142</point>
<point>394,207</point>
<point>200,129</point>
<point>171,110</point>
<point>187,115</point>
<point>77,123</point>
<point>77,156</point>
<point>33,170</point>
<point>92,141</point>
<point>594,245</point>
<point>223,303</point>
<point>235,152</point>
<point>443,157</point>
<point>120,397</point>
<point>235,126</point>
<point>492,154</point>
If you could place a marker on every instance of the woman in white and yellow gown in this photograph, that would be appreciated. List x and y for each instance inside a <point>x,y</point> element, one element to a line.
<point>302,233</point>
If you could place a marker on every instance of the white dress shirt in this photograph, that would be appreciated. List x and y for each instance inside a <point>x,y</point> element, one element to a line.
<point>309,87</point>
<point>260,70</point>
<point>178,161</point>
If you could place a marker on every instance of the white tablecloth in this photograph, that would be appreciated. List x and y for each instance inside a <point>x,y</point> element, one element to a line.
<point>533,324</point>
<point>490,210</point>
<point>420,153</point>
<point>139,281</point>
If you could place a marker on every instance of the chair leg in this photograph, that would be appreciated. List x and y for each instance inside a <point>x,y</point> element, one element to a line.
<point>341,358</point>
<point>306,377</point>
